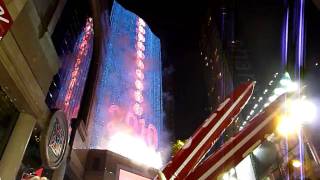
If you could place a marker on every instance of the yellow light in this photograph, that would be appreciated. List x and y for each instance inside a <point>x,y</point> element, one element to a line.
<point>296,163</point>
<point>301,110</point>
<point>225,176</point>
<point>135,149</point>
<point>287,127</point>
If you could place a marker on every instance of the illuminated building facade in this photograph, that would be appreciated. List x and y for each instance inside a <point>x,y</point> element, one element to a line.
<point>67,90</point>
<point>129,87</point>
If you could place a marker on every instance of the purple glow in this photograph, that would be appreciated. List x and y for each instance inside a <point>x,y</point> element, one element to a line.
<point>300,38</point>
<point>285,38</point>
<point>301,153</point>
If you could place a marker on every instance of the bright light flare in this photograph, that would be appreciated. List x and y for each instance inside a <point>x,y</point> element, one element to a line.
<point>287,127</point>
<point>135,149</point>
<point>296,163</point>
<point>297,112</point>
<point>302,111</point>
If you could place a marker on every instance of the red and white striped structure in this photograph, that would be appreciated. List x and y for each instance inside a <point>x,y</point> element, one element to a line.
<point>240,145</point>
<point>205,136</point>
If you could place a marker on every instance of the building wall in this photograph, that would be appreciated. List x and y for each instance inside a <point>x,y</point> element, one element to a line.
<point>117,82</point>
<point>28,62</point>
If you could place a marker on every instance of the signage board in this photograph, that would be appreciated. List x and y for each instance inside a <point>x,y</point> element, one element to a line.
<point>54,140</point>
<point>5,19</point>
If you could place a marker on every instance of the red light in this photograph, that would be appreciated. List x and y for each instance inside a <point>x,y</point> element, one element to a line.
<point>139,74</point>
<point>139,85</point>
<point>140,46</point>
<point>141,37</point>
<point>140,54</point>
<point>140,64</point>
<point>138,96</point>
<point>141,22</point>
<point>137,108</point>
<point>141,30</point>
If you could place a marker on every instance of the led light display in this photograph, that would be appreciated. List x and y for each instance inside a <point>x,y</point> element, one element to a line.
<point>73,72</point>
<point>129,91</point>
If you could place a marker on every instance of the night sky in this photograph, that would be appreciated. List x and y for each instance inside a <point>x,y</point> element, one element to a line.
<point>258,27</point>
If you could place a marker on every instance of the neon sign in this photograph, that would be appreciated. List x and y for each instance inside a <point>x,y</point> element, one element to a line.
<point>83,49</point>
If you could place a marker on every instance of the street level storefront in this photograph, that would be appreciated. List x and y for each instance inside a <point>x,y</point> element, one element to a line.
<point>33,138</point>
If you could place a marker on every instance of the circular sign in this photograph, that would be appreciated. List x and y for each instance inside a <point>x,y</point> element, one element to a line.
<point>54,140</point>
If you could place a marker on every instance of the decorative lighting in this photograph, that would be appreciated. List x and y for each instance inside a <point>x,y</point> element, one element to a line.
<point>138,96</point>
<point>141,38</point>
<point>270,83</point>
<point>140,54</point>
<point>251,112</point>
<point>139,85</point>
<point>272,98</point>
<point>265,91</point>
<point>84,43</point>
<point>140,64</point>
<point>139,74</point>
<point>137,108</point>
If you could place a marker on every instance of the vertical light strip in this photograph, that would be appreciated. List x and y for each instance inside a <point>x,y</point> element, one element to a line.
<point>300,65</point>
<point>301,36</point>
<point>139,71</point>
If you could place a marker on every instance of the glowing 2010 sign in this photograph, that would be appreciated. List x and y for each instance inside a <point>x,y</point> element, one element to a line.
<point>121,121</point>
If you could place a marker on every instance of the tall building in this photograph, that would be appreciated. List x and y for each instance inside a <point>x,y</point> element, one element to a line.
<point>129,88</point>
<point>217,76</point>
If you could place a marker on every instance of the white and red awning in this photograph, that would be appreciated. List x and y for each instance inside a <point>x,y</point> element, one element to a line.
<point>198,145</point>
<point>240,145</point>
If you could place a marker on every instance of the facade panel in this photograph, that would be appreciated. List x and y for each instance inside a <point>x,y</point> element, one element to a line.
<point>129,87</point>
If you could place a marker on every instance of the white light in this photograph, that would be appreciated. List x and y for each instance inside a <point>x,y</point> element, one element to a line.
<point>265,91</point>
<point>260,99</point>
<point>279,91</point>
<point>298,112</point>
<point>251,112</point>
<point>270,83</point>
<point>272,98</point>
<point>296,163</point>
<point>266,105</point>
<point>225,176</point>
<point>287,127</point>
<point>293,86</point>
<point>255,106</point>
<point>135,149</point>
<point>302,111</point>
<point>232,171</point>
<point>285,82</point>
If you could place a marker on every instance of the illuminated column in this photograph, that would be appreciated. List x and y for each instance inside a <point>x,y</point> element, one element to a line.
<point>16,147</point>
<point>139,71</point>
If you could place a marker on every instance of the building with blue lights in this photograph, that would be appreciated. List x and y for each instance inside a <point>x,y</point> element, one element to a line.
<point>129,87</point>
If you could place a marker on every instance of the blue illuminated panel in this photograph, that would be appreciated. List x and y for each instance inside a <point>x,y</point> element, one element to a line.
<point>116,100</point>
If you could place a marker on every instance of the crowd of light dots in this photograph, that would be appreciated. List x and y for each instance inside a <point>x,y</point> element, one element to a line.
<point>140,48</point>
<point>74,73</point>
<point>256,105</point>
